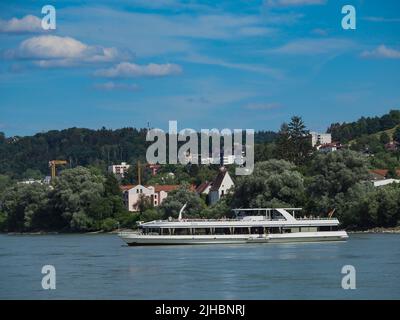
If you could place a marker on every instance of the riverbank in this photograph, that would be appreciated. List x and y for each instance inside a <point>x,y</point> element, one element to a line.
<point>377,230</point>
<point>116,231</point>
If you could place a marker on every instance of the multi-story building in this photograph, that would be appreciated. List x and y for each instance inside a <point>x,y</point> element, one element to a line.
<point>133,193</point>
<point>119,169</point>
<point>320,138</point>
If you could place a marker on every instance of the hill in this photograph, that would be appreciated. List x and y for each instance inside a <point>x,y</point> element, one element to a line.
<point>347,132</point>
<point>27,157</point>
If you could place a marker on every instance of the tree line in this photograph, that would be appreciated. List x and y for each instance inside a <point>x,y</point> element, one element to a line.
<point>288,172</point>
<point>345,132</point>
<point>28,157</point>
<point>83,199</point>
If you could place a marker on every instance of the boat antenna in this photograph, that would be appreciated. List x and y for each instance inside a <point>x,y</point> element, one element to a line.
<point>180,211</point>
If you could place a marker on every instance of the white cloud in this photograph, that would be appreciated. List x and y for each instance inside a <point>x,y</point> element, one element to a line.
<point>314,46</point>
<point>127,69</point>
<point>200,59</point>
<point>52,47</point>
<point>109,86</point>
<point>292,3</point>
<point>382,52</point>
<point>27,24</point>
<point>155,34</point>
<point>51,51</point>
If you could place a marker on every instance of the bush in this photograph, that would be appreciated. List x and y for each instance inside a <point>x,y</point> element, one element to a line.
<point>109,224</point>
<point>127,219</point>
<point>151,214</point>
<point>3,221</point>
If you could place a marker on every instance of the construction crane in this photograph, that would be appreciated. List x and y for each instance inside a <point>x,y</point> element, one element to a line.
<point>53,164</point>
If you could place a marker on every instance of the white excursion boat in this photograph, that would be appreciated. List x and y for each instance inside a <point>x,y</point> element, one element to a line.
<point>261,225</point>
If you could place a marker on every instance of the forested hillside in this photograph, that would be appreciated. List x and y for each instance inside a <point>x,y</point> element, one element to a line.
<point>79,147</point>
<point>349,131</point>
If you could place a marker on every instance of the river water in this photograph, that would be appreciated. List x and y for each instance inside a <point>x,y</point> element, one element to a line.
<point>101,266</point>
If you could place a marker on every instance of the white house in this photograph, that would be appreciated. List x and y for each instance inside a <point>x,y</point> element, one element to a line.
<point>119,169</point>
<point>222,184</point>
<point>31,181</point>
<point>380,183</point>
<point>320,138</point>
<point>328,147</point>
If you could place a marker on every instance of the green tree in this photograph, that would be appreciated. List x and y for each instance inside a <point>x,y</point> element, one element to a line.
<point>5,181</point>
<point>26,207</point>
<point>144,203</point>
<point>336,172</point>
<point>75,192</point>
<point>109,224</point>
<point>3,221</point>
<point>219,210</point>
<point>264,152</point>
<point>396,135</point>
<point>384,138</point>
<point>111,186</point>
<point>177,198</point>
<point>151,214</point>
<point>294,142</point>
<point>333,174</point>
<point>274,183</point>
<point>32,174</point>
<point>283,144</point>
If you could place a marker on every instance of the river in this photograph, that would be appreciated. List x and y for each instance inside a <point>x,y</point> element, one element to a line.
<point>101,266</point>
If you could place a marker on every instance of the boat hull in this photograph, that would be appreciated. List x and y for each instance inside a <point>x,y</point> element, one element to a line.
<point>134,239</point>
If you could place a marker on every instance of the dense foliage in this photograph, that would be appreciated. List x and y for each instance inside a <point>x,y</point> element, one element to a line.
<point>288,173</point>
<point>348,131</point>
<point>28,157</point>
<point>80,199</point>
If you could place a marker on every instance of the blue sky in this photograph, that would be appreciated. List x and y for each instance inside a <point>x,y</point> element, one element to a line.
<point>223,64</point>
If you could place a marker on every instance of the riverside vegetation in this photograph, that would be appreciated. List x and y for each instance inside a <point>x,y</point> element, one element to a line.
<point>288,173</point>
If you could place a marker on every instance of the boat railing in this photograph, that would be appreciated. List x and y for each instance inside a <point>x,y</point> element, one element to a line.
<point>315,218</point>
<point>241,219</point>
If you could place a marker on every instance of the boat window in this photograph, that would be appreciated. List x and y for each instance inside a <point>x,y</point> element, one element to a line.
<point>222,231</point>
<point>201,231</point>
<point>182,231</point>
<point>257,230</point>
<point>154,231</point>
<point>241,231</point>
<point>277,216</point>
<point>164,231</point>
<point>325,228</point>
<point>273,230</point>
<point>308,229</point>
